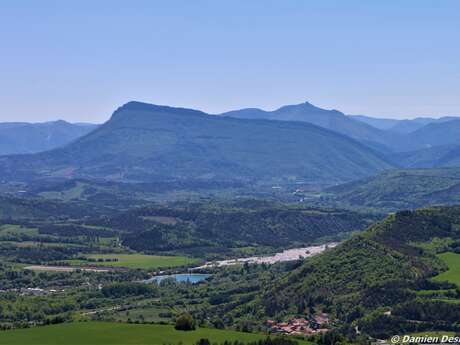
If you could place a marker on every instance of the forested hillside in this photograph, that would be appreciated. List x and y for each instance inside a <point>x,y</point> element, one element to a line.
<point>400,189</point>
<point>218,228</point>
<point>380,280</point>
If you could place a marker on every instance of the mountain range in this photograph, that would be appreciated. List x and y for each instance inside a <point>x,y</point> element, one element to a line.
<point>331,119</point>
<point>299,143</point>
<point>144,142</point>
<point>400,126</point>
<point>22,137</point>
<point>386,135</point>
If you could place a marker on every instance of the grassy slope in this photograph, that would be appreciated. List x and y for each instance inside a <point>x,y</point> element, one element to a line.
<point>103,333</point>
<point>453,273</point>
<point>12,229</point>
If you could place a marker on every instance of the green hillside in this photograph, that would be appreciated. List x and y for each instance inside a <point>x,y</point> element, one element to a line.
<point>387,268</point>
<point>452,275</point>
<point>143,142</point>
<point>20,208</point>
<point>213,227</point>
<point>400,189</point>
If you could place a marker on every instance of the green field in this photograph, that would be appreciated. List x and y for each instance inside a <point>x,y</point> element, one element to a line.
<point>66,195</point>
<point>11,229</point>
<point>105,333</point>
<point>453,273</point>
<point>142,261</point>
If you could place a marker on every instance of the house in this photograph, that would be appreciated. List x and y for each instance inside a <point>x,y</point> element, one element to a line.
<point>300,326</point>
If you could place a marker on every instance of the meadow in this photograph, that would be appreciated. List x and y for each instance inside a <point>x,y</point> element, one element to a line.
<point>453,273</point>
<point>106,333</point>
<point>12,229</point>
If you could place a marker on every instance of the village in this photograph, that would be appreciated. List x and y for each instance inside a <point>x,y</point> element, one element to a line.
<point>300,326</point>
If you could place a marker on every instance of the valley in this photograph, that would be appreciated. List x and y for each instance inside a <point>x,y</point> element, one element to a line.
<point>229,172</point>
<point>290,224</point>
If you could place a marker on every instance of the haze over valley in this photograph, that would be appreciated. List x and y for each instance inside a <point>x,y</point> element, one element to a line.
<point>229,173</point>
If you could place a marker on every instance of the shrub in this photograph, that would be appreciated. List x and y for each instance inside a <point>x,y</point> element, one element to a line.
<point>185,322</point>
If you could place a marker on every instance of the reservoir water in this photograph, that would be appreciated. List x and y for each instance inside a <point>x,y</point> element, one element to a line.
<point>183,277</point>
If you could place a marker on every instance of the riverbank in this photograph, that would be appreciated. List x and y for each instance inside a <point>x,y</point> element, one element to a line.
<point>285,255</point>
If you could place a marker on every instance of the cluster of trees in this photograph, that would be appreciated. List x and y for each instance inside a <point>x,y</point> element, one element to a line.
<point>37,254</point>
<point>124,289</point>
<point>71,230</point>
<point>231,226</point>
<point>62,294</point>
<point>431,311</point>
<point>380,269</point>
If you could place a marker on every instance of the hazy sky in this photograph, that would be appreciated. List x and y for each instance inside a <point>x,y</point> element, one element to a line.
<point>79,60</point>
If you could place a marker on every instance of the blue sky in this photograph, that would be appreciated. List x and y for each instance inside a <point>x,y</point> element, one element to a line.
<point>79,60</point>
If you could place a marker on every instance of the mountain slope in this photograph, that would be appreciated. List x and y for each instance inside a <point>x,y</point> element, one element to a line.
<point>434,145</point>
<point>409,126</point>
<point>404,126</point>
<point>379,123</point>
<point>436,134</point>
<point>21,137</point>
<point>386,268</point>
<point>143,142</point>
<point>401,189</point>
<point>230,225</point>
<point>330,119</point>
<point>433,157</point>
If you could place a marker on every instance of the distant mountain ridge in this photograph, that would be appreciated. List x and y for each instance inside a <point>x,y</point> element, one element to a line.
<point>386,135</point>
<point>403,126</point>
<point>418,143</point>
<point>23,137</point>
<point>377,122</point>
<point>432,157</point>
<point>145,142</point>
<point>437,134</point>
<point>331,119</point>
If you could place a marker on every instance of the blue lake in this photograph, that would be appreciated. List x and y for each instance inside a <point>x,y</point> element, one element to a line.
<point>184,277</point>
